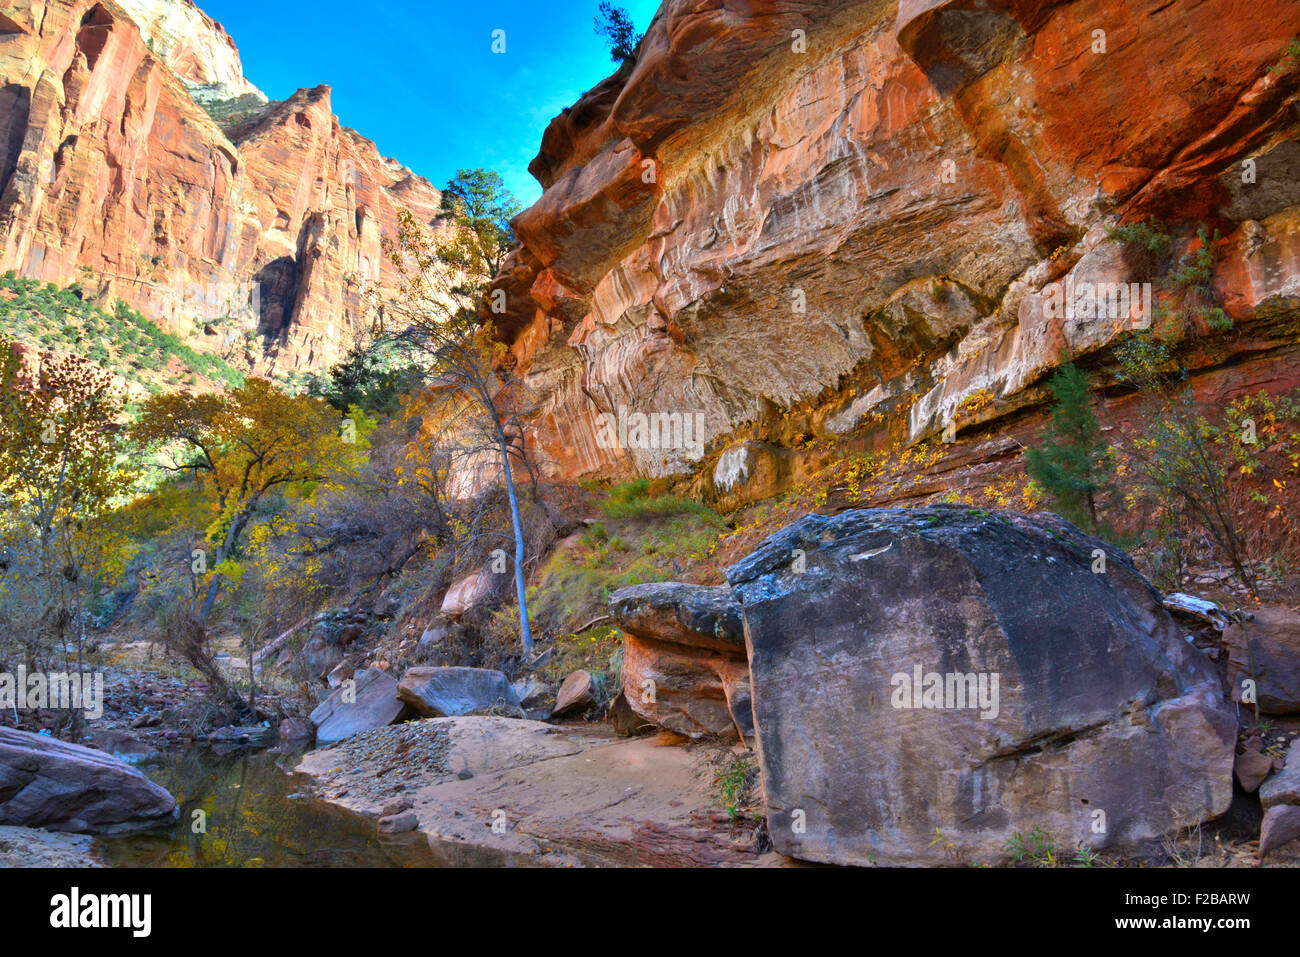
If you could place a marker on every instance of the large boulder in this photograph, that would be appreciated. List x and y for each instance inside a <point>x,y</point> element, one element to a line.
<point>684,664</point>
<point>1267,649</point>
<point>948,671</point>
<point>449,692</point>
<point>368,700</point>
<point>482,588</point>
<point>59,786</point>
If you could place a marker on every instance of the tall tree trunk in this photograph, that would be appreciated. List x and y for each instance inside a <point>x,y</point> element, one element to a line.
<point>525,627</point>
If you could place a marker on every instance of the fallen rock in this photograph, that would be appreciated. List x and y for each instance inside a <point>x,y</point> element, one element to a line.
<point>388,605</point>
<point>624,720</point>
<point>1281,827</point>
<point>399,823</point>
<point>367,701</point>
<point>577,693</point>
<point>59,786</point>
<point>318,657</point>
<point>1251,768</point>
<point>123,746</point>
<point>532,692</point>
<point>1267,649</point>
<point>684,663</point>
<point>448,692</point>
<point>428,644</point>
<point>341,673</point>
<point>470,592</point>
<point>295,731</point>
<point>1283,787</point>
<point>962,672</point>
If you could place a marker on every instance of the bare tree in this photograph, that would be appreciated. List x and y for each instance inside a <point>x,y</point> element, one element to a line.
<point>433,312</point>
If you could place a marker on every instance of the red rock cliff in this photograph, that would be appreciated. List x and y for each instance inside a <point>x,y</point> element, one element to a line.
<point>850,210</point>
<point>108,164</point>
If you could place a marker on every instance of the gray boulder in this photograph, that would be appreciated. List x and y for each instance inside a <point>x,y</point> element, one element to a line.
<point>1283,787</point>
<point>368,700</point>
<point>450,692</point>
<point>59,786</point>
<point>1266,650</point>
<point>949,671</point>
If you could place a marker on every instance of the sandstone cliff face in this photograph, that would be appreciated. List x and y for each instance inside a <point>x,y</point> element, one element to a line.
<point>110,169</point>
<point>801,219</point>
<point>194,46</point>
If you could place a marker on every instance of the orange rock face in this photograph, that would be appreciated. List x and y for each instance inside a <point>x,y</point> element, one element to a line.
<point>850,210</point>
<point>108,164</point>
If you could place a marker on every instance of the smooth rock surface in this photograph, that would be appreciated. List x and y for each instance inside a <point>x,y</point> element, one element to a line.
<point>1100,704</point>
<point>58,786</point>
<point>374,705</point>
<point>1267,648</point>
<point>448,692</point>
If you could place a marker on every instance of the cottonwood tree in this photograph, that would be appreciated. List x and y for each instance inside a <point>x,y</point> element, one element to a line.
<point>239,448</point>
<point>1176,450</point>
<point>433,311</point>
<point>62,472</point>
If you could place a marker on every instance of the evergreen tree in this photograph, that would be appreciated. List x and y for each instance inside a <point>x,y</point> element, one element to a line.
<point>1074,465</point>
<point>614,24</point>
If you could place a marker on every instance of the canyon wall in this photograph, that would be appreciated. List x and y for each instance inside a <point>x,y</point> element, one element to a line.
<point>841,220</point>
<point>260,234</point>
<point>800,226</point>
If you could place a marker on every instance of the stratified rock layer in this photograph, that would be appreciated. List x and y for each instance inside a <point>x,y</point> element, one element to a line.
<point>684,664</point>
<point>849,211</point>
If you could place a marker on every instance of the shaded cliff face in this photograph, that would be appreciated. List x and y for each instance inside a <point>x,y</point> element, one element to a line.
<point>838,213</point>
<point>110,172</point>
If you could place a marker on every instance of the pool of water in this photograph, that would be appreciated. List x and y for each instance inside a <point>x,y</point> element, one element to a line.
<point>256,814</point>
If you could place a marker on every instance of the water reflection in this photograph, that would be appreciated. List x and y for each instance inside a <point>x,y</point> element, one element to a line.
<point>252,821</point>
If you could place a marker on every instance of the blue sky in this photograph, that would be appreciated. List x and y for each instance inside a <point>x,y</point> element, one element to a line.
<point>420,78</point>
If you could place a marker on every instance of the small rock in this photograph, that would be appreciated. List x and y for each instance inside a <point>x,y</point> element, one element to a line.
<point>1251,768</point>
<point>1281,827</point>
<point>576,693</point>
<point>341,673</point>
<point>393,808</point>
<point>1198,608</point>
<point>399,823</point>
<point>531,691</point>
<point>624,720</point>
